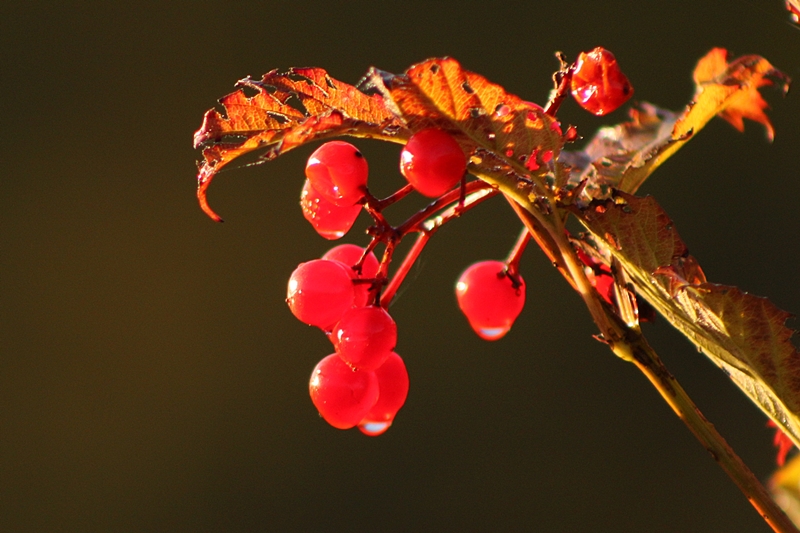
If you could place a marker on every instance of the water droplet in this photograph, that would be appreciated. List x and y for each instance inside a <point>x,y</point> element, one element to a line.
<point>509,153</point>
<point>491,136</point>
<point>502,110</point>
<point>373,429</point>
<point>491,334</point>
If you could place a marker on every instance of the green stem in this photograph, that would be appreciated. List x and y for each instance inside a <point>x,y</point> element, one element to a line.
<point>628,343</point>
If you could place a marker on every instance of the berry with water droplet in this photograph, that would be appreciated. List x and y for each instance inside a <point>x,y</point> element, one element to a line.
<point>349,255</point>
<point>433,162</point>
<point>338,171</point>
<point>490,298</point>
<point>598,84</point>
<point>393,386</point>
<point>320,292</point>
<point>327,218</point>
<point>365,337</point>
<point>342,395</point>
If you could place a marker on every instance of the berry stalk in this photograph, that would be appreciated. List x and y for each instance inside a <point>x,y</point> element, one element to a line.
<point>430,226</point>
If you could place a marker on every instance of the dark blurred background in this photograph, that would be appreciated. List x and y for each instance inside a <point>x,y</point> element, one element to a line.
<point>152,378</point>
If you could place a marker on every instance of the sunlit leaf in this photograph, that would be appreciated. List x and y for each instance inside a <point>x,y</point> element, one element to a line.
<point>501,133</point>
<point>288,109</point>
<point>744,334</point>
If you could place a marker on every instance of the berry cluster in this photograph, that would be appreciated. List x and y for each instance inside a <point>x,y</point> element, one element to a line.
<point>346,293</point>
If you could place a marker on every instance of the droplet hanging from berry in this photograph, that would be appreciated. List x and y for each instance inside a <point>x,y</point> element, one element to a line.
<point>393,391</point>
<point>328,219</point>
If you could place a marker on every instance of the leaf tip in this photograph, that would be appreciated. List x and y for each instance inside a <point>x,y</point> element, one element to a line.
<point>203,182</point>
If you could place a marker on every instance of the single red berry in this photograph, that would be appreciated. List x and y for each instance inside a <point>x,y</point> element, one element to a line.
<point>393,386</point>
<point>320,292</point>
<point>365,337</point>
<point>338,171</point>
<point>342,395</point>
<point>598,84</point>
<point>490,298</point>
<point>433,162</point>
<point>327,218</point>
<point>349,255</point>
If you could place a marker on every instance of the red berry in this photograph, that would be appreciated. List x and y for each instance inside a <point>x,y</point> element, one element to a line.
<point>393,386</point>
<point>338,171</point>
<point>489,298</point>
<point>365,337</point>
<point>320,292</point>
<point>342,395</point>
<point>349,254</point>
<point>598,84</point>
<point>328,219</point>
<point>432,162</point>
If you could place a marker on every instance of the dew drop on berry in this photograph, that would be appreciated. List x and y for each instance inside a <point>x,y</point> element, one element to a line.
<point>328,219</point>
<point>373,429</point>
<point>393,391</point>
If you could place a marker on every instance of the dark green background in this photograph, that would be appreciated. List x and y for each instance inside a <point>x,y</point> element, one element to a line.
<point>152,379</point>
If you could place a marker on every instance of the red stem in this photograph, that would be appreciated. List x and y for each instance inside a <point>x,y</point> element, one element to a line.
<point>429,228</point>
<point>404,269</point>
<point>411,224</point>
<point>512,263</point>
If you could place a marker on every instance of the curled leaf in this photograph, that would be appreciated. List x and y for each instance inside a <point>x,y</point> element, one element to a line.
<point>504,135</point>
<point>288,109</point>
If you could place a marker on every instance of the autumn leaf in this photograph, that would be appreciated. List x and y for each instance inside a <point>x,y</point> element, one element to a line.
<point>622,157</point>
<point>287,110</point>
<point>745,335</point>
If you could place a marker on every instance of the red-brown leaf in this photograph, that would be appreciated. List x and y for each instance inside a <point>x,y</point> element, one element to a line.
<point>268,119</point>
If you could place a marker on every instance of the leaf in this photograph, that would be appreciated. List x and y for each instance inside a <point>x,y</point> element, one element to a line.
<point>615,151</point>
<point>502,134</point>
<point>323,107</point>
<point>743,334</point>
<point>624,156</point>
